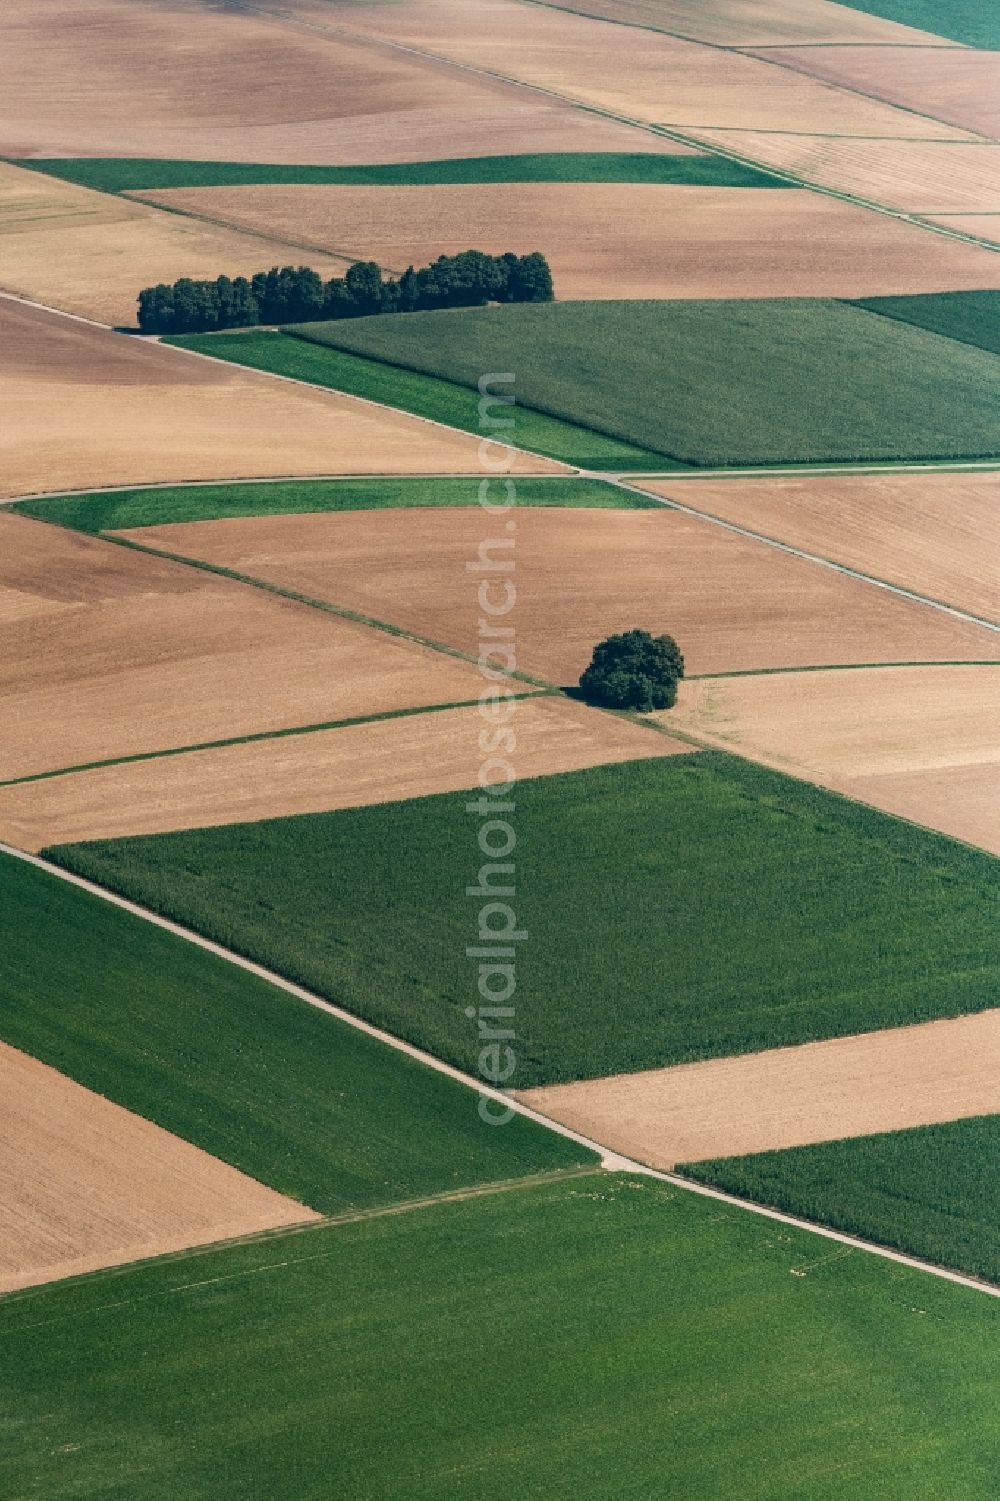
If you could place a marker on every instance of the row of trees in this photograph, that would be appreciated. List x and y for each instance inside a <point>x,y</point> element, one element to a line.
<point>296,294</point>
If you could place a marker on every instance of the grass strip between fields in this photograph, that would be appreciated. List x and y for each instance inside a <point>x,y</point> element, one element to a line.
<point>441,400</point>
<point>688,907</point>
<point>929,1191</point>
<point>284,734</point>
<point>135,174</point>
<point>508,1344</point>
<point>292,1096</point>
<point>121,510</point>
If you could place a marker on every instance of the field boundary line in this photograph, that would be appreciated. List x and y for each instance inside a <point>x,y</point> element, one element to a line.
<point>610,1160</point>
<point>710,148</point>
<point>290,733</point>
<point>858,574</point>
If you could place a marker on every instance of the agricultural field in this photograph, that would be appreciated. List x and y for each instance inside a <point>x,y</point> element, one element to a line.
<point>803,884</point>
<point>113,652</point>
<point>426,396</point>
<point>610,240</point>
<point>637,74</point>
<point>788,1097</point>
<point>714,382</point>
<point>971,22</point>
<point>969,317</point>
<point>312,771</point>
<point>86,407</point>
<point>736,605</point>
<point>119,79</point>
<point>89,253</point>
<point>928,1191</point>
<point>87,1185</point>
<point>298,1100</point>
<point>932,177</point>
<point>931,532</point>
<point>920,742</point>
<point>984,226</point>
<point>698,1313</point>
<point>745,23</point>
<point>956,84</point>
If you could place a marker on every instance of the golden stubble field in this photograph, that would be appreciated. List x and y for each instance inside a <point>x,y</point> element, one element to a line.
<point>935,533</point>
<point>85,408</point>
<point>789,1097</point>
<point>110,652</point>
<point>379,762</point>
<point>643,75</point>
<point>85,1184</point>
<point>614,240</point>
<point>184,79</point>
<point>733,604</point>
<point>91,253</point>
<point>920,742</point>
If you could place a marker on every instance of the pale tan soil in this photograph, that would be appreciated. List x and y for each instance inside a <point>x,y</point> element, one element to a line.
<point>85,1184</point>
<point>924,177</point>
<point>90,253</point>
<point>920,742</point>
<point>789,1097</point>
<point>616,239</point>
<point>170,78</point>
<point>935,533</point>
<point>379,762</point>
<point>960,85</point>
<point>580,574</point>
<point>744,23</point>
<point>641,74</point>
<point>84,407</point>
<point>987,226</point>
<point>121,653</point>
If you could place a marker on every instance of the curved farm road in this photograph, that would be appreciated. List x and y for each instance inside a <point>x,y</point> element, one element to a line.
<point>611,1161</point>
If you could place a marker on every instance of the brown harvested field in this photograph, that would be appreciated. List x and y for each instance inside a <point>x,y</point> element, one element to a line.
<point>85,1184</point>
<point>89,253</point>
<point>933,532</point>
<point>920,742</point>
<point>111,652</point>
<point>789,1097</point>
<point>186,79</point>
<point>959,85</point>
<point>380,762</point>
<point>922,177</point>
<point>643,75</point>
<point>986,226</point>
<point>747,23</point>
<point>613,240</point>
<point>83,407</point>
<point>733,604</point>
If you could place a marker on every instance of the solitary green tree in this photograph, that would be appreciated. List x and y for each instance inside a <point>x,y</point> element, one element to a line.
<point>634,670</point>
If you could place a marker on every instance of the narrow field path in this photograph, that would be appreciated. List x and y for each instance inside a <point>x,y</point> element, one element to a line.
<point>611,1160</point>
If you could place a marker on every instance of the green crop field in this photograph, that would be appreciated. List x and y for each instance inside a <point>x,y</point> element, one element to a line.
<point>682,908</point>
<point>427,396</point>
<point>132,174</point>
<point>291,1096</point>
<point>930,1191</point>
<point>726,382</point>
<point>115,510</point>
<point>970,317</point>
<point>974,22</point>
<point>601,1338</point>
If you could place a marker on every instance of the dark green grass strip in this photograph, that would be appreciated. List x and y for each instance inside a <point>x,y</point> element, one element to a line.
<point>132,174</point>
<point>687,907</point>
<point>287,1094</point>
<point>304,729</point>
<point>574,1341</point>
<point>119,510</point>
<point>931,1191</point>
<point>969,317</point>
<point>425,395</point>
